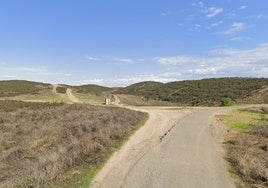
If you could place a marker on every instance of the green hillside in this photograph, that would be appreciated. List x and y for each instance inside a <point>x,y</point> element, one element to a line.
<point>209,92</point>
<point>92,89</point>
<point>17,87</point>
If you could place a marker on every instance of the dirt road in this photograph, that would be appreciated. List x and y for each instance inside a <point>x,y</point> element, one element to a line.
<point>70,95</point>
<point>187,156</point>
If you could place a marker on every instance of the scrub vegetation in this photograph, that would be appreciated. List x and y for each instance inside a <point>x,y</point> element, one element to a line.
<point>206,92</point>
<point>18,87</point>
<point>247,146</point>
<point>57,144</point>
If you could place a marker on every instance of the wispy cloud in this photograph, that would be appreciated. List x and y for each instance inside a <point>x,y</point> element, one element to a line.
<point>123,60</point>
<point>213,11</point>
<point>40,71</point>
<point>242,7</point>
<point>240,38</point>
<point>235,28</point>
<point>91,58</point>
<point>24,69</point>
<point>113,60</point>
<point>177,60</point>
<point>165,13</point>
<point>258,16</point>
<point>216,23</point>
<point>198,4</point>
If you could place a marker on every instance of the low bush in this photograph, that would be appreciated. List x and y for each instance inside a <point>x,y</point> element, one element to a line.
<point>61,90</point>
<point>226,101</point>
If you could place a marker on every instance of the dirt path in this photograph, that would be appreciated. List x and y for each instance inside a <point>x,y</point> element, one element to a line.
<point>187,156</point>
<point>147,137</point>
<point>73,98</point>
<point>54,89</point>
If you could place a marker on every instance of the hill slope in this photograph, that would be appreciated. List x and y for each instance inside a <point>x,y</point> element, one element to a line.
<point>18,87</point>
<point>200,92</point>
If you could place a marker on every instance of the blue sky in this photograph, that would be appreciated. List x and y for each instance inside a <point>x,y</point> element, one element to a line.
<point>120,42</point>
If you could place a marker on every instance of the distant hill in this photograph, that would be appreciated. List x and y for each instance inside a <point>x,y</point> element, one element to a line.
<point>92,89</point>
<point>207,92</point>
<point>18,87</point>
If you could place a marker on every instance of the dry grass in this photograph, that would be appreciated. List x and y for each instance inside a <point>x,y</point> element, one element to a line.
<point>248,150</point>
<point>41,143</point>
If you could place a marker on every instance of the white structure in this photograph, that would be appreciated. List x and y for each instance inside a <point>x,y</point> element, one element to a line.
<point>107,101</point>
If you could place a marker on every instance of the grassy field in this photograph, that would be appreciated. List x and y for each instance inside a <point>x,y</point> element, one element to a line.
<point>57,144</point>
<point>89,98</point>
<point>247,146</point>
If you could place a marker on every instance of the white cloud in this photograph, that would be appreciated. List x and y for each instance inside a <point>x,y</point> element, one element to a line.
<point>128,80</point>
<point>198,4</point>
<point>33,73</point>
<point>2,77</point>
<point>259,16</point>
<point>164,13</point>
<point>240,38</point>
<point>24,69</point>
<point>177,60</point>
<point>113,60</point>
<point>213,11</point>
<point>223,62</point>
<point>203,71</point>
<point>216,24</point>
<point>242,7</point>
<point>235,28</point>
<point>123,60</point>
<point>91,58</point>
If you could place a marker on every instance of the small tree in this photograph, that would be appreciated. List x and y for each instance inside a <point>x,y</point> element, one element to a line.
<point>226,101</point>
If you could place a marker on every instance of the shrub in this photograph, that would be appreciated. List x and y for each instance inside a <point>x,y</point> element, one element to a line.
<point>226,101</point>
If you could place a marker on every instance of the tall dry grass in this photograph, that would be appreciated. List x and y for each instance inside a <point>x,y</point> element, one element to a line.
<point>39,144</point>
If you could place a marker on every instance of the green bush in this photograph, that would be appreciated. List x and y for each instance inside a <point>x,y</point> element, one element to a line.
<point>226,101</point>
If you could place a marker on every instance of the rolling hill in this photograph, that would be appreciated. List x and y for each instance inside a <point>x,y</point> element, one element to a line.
<point>207,92</point>
<point>18,87</point>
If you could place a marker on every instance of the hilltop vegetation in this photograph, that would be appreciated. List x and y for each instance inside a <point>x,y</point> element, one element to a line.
<point>18,87</point>
<point>208,92</point>
<point>56,144</point>
<point>92,89</point>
